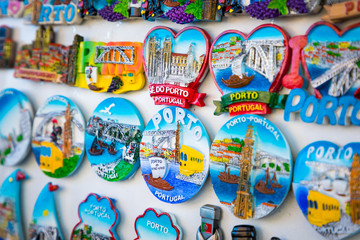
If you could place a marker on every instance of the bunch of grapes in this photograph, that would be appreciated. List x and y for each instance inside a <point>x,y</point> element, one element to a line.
<point>297,5</point>
<point>108,13</point>
<point>260,10</point>
<point>178,14</point>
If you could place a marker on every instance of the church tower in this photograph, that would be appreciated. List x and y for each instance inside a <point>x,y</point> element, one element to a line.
<point>166,57</point>
<point>67,133</point>
<point>355,189</point>
<point>152,57</point>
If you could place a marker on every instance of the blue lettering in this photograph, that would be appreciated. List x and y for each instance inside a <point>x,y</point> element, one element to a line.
<point>45,14</point>
<point>69,17</point>
<point>289,108</point>
<point>303,113</point>
<point>327,112</point>
<point>345,102</point>
<point>356,110</point>
<point>3,7</point>
<point>57,10</point>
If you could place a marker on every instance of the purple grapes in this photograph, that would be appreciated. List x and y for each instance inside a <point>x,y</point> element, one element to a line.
<point>178,14</point>
<point>260,10</point>
<point>108,13</point>
<point>297,5</point>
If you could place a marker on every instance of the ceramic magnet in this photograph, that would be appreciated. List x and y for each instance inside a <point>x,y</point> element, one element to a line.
<point>8,47</point>
<point>154,225</point>
<point>250,166</point>
<point>326,187</point>
<point>175,65</point>
<point>174,155</point>
<point>247,69</point>
<point>58,137</point>
<point>10,206</point>
<point>98,219</point>
<point>112,139</point>
<point>15,126</point>
<point>45,223</point>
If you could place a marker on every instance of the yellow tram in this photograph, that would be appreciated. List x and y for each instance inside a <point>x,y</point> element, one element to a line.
<point>322,209</point>
<point>191,161</point>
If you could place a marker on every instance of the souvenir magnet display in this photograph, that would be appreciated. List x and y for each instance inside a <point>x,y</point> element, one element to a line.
<point>326,186</point>
<point>154,224</point>
<point>174,155</point>
<point>248,69</point>
<point>52,12</point>
<point>176,64</point>
<point>180,11</point>
<point>210,218</point>
<point>114,67</point>
<point>269,8</point>
<point>112,139</point>
<point>250,166</point>
<point>341,10</point>
<point>15,126</point>
<point>331,59</point>
<point>7,49</point>
<point>58,137</point>
<point>110,10</point>
<point>45,223</point>
<point>11,8</point>
<point>98,219</point>
<point>10,206</point>
<point>44,60</point>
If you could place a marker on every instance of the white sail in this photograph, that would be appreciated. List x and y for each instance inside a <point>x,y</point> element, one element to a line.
<point>159,167</point>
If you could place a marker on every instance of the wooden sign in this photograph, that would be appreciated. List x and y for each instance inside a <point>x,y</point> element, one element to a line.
<point>338,12</point>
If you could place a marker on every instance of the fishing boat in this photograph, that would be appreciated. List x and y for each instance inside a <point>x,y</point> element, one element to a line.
<point>159,166</point>
<point>237,82</point>
<point>111,148</point>
<point>226,177</point>
<point>95,148</point>
<point>262,186</point>
<point>341,186</point>
<point>274,182</point>
<point>157,182</point>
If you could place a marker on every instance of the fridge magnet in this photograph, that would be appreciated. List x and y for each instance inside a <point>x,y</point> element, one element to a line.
<point>154,224</point>
<point>174,155</point>
<point>98,219</point>
<point>58,137</point>
<point>10,206</point>
<point>210,219</point>
<point>331,65</point>
<point>54,12</point>
<point>114,67</point>
<point>45,223</point>
<point>45,60</point>
<point>341,10</point>
<point>11,8</point>
<point>112,139</point>
<point>247,69</point>
<point>250,166</point>
<point>176,64</point>
<point>110,10</point>
<point>241,232</point>
<point>181,12</point>
<point>326,187</point>
<point>15,126</point>
<point>8,47</point>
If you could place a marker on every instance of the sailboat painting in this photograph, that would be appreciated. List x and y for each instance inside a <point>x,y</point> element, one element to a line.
<point>58,137</point>
<point>174,155</point>
<point>15,126</point>
<point>250,166</point>
<point>112,139</point>
<point>327,185</point>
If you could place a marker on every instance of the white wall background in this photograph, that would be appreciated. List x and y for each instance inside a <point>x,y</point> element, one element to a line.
<point>132,195</point>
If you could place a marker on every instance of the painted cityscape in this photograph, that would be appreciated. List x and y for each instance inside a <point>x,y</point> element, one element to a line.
<point>175,61</point>
<point>15,126</point>
<point>326,186</point>
<point>248,64</point>
<point>333,62</point>
<point>112,139</point>
<point>58,137</point>
<point>174,163</point>
<point>249,174</point>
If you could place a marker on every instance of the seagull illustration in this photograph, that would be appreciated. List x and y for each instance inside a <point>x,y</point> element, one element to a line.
<point>107,109</point>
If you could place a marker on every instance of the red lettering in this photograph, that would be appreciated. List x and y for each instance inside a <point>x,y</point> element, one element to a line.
<point>349,6</point>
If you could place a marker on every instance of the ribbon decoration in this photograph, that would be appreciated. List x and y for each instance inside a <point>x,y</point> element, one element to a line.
<point>252,100</point>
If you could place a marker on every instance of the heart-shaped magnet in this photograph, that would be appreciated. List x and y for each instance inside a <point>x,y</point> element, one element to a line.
<point>326,186</point>
<point>175,65</point>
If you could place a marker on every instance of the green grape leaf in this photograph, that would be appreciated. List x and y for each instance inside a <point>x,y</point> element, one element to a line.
<point>181,2</point>
<point>279,5</point>
<point>195,9</point>
<point>122,8</point>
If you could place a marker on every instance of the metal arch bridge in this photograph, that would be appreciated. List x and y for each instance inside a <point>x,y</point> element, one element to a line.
<point>119,128</point>
<point>108,55</point>
<point>160,137</point>
<point>258,59</point>
<point>48,116</point>
<point>342,77</point>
